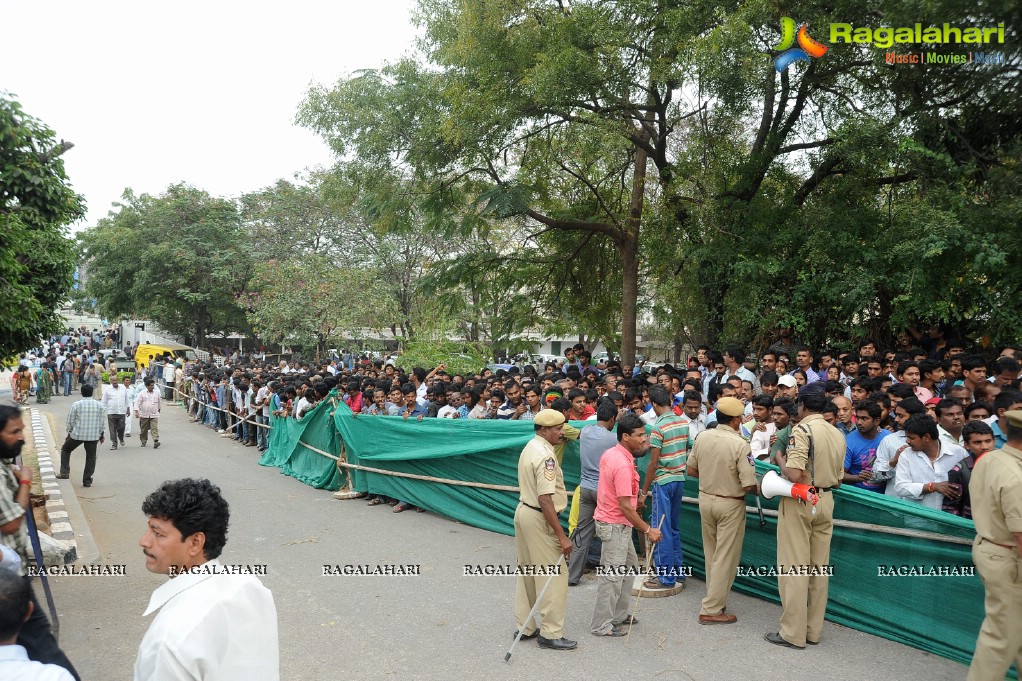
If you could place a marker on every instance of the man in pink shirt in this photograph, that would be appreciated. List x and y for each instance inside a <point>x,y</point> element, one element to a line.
<point>616,495</point>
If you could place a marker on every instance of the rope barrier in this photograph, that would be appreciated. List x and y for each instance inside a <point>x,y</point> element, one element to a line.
<point>838,522</point>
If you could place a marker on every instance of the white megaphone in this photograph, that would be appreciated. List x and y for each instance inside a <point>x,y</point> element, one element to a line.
<point>774,485</point>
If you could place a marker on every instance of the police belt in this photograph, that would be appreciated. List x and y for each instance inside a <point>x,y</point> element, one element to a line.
<point>721,496</point>
<point>534,508</point>
<point>1003,546</point>
<point>825,489</point>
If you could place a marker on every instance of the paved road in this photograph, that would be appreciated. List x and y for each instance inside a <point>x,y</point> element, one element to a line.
<point>440,625</point>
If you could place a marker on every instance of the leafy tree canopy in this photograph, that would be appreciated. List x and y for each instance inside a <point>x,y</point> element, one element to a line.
<point>37,202</point>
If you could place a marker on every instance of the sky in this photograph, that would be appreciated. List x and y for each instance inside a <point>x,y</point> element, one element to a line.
<point>152,94</point>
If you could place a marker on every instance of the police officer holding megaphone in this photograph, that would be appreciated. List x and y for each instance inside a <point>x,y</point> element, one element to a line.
<point>812,468</point>
<point>775,486</point>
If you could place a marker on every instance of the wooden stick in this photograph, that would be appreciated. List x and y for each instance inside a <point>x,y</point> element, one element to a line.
<point>649,559</point>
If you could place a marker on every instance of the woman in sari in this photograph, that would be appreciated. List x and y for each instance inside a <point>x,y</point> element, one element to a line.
<point>44,384</point>
<point>21,385</point>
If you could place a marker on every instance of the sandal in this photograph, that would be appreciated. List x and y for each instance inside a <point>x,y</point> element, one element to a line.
<point>376,501</point>
<point>401,507</point>
<point>654,583</point>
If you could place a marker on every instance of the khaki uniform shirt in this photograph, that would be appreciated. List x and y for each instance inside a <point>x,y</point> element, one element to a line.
<point>995,490</point>
<point>539,474</point>
<point>723,461</point>
<point>828,451</point>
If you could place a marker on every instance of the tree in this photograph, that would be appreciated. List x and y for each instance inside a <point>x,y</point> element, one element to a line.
<point>37,258</point>
<point>542,114</point>
<point>179,259</point>
<point>308,301</point>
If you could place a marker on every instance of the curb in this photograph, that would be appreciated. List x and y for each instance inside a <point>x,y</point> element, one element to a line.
<point>56,510</point>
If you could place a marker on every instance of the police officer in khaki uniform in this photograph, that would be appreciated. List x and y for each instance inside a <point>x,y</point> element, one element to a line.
<point>803,537</point>
<point>996,492</point>
<point>539,537</point>
<point>722,460</point>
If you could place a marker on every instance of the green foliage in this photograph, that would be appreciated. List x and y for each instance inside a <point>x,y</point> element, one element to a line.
<point>309,302</point>
<point>457,357</point>
<point>179,259</point>
<point>36,204</point>
<point>104,376</point>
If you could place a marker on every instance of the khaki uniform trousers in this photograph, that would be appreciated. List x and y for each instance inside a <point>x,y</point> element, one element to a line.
<point>803,539</point>
<point>145,425</point>
<point>1000,637</point>
<point>723,523</point>
<point>537,545</point>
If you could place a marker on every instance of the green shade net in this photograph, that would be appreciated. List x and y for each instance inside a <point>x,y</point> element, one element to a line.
<point>486,451</point>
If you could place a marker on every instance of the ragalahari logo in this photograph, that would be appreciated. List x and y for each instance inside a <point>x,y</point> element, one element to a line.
<point>807,47</point>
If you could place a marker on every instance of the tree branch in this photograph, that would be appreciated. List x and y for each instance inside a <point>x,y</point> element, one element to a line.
<point>576,225</point>
<point>823,171</point>
<point>805,145</point>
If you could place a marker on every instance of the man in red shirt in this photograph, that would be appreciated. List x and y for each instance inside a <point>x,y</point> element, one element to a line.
<point>616,496</point>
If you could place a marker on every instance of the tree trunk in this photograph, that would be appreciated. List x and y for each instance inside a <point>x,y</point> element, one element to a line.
<point>629,296</point>
<point>629,247</point>
<point>201,323</point>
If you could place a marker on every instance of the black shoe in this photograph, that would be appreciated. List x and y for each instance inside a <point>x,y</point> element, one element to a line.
<point>156,445</point>
<point>122,443</point>
<point>557,644</point>
<point>778,640</point>
<point>630,620</point>
<point>812,643</point>
<point>87,484</point>
<point>62,476</point>
<point>526,637</point>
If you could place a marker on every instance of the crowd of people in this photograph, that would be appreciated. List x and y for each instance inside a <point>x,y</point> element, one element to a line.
<point>924,397</point>
<point>910,421</point>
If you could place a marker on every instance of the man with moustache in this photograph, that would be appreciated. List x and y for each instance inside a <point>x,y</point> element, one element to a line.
<point>722,460</point>
<point>15,485</point>
<point>539,538</point>
<point>616,515</point>
<point>211,624</point>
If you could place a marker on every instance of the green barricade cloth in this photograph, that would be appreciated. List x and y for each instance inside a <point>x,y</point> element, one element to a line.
<point>287,452</point>
<point>866,591</point>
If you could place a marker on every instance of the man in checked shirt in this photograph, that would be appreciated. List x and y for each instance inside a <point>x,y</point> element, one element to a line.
<point>85,423</point>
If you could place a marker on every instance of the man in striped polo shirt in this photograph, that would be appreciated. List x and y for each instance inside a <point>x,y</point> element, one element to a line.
<point>668,454</point>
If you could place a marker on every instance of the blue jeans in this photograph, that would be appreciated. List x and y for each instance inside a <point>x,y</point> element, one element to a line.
<point>667,553</point>
<point>65,381</point>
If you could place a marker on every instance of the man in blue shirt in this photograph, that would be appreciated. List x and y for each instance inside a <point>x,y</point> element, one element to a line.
<point>861,447</point>
<point>1007,400</point>
<point>592,442</point>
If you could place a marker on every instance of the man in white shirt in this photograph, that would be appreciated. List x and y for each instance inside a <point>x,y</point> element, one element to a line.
<point>921,474</point>
<point>134,387</point>
<point>16,597</point>
<point>262,400</point>
<point>691,411</point>
<point>764,428</point>
<point>115,402</point>
<point>212,624</point>
<point>169,377</point>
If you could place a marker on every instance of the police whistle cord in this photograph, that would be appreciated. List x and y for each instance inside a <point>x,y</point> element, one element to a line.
<point>532,613</point>
<point>638,592</point>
